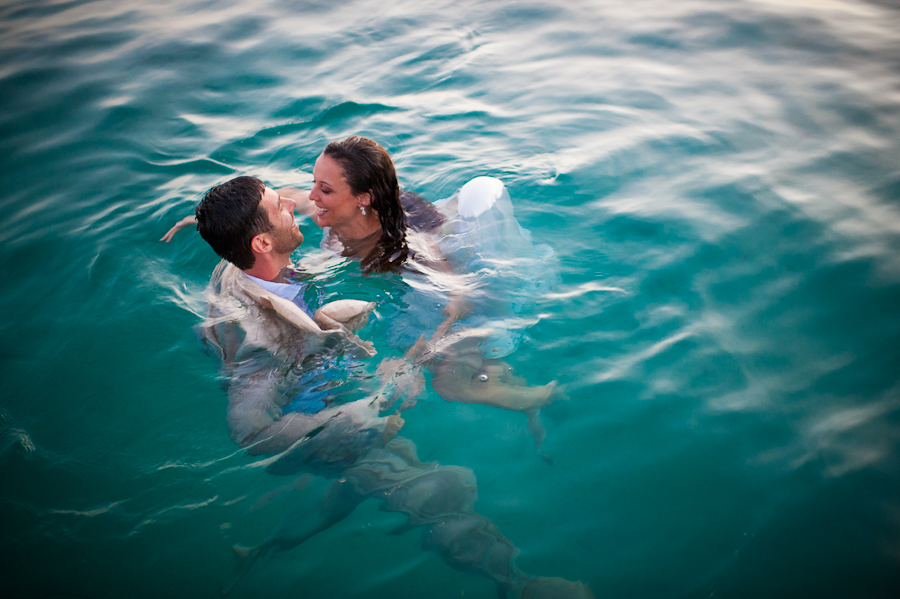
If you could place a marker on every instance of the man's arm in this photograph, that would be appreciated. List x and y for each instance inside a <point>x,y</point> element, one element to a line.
<point>257,424</point>
<point>255,420</point>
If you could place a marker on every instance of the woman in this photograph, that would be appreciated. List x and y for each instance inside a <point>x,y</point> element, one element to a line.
<point>357,201</point>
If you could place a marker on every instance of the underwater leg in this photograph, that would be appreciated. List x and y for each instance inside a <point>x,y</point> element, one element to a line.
<point>297,525</point>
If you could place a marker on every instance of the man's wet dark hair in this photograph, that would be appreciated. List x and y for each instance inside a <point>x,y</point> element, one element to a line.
<point>230,216</point>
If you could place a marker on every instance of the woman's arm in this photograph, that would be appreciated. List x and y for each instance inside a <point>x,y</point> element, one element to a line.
<point>457,306</point>
<point>187,220</point>
<point>301,196</point>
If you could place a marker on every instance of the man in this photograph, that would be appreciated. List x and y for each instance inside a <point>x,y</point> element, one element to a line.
<point>277,357</point>
<point>258,323</point>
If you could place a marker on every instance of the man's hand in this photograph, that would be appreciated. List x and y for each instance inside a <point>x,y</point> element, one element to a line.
<point>187,220</point>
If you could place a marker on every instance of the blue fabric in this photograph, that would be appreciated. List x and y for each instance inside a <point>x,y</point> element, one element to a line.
<point>320,384</point>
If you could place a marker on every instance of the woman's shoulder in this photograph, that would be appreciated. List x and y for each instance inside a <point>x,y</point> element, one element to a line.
<point>422,216</point>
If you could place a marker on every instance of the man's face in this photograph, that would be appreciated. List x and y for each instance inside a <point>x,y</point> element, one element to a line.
<point>286,235</point>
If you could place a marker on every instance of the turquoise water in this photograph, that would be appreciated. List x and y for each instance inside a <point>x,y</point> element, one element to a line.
<point>720,182</point>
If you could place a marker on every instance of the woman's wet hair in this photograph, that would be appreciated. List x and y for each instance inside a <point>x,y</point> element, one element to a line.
<point>367,167</point>
<point>230,216</point>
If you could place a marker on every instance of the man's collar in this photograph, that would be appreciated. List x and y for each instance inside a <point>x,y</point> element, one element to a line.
<point>288,291</point>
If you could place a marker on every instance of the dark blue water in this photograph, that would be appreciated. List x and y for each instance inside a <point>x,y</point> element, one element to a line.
<point>719,180</point>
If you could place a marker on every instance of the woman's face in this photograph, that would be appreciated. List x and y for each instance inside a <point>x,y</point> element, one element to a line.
<point>336,206</point>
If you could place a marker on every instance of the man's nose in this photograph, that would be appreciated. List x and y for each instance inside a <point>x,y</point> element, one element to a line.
<point>292,204</point>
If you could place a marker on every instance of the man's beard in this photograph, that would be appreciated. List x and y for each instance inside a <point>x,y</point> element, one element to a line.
<point>286,241</point>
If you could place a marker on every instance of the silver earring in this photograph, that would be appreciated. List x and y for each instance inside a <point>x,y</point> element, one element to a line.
<point>363,210</point>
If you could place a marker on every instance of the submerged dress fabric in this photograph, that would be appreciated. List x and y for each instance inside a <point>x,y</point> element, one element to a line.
<point>498,268</point>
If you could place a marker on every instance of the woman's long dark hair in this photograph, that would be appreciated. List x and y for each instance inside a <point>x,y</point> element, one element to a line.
<point>368,168</point>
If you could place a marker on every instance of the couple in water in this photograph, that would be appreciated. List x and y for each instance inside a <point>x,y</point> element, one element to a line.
<point>290,363</point>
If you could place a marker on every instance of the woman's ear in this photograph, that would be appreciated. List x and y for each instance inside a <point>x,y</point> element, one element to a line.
<point>261,244</point>
<point>365,199</point>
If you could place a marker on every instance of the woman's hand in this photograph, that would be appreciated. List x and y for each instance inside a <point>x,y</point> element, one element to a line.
<point>456,309</point>
<point>187,220</point>
<point>304,205</point>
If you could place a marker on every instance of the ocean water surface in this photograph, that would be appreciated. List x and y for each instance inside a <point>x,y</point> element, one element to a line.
<point>719,181</point>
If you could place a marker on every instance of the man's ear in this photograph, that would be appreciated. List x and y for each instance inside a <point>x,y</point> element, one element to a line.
<point>261,244</point>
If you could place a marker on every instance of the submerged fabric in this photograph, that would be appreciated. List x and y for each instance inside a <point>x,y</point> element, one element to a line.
<point>270,351</point>
<point>509,272</point>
